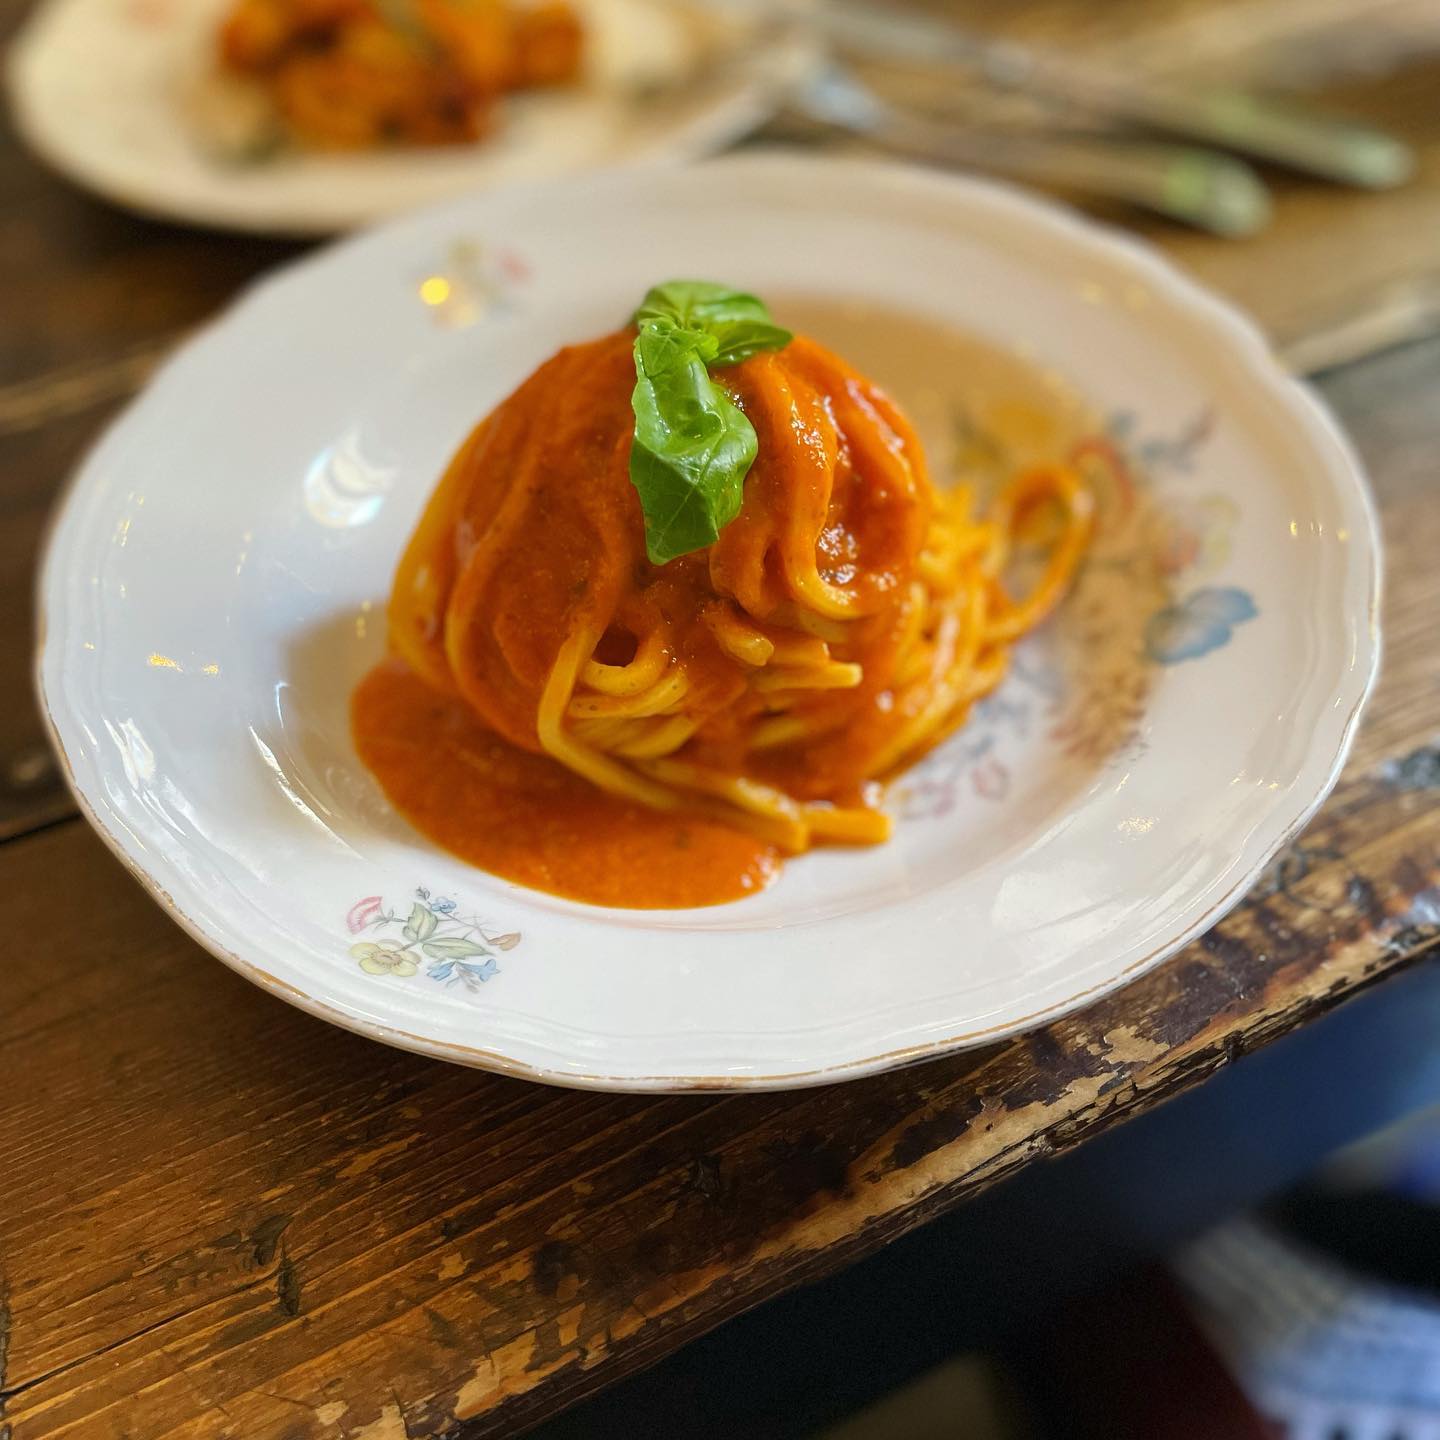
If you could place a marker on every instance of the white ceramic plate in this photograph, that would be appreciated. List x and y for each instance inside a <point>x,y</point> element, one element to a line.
<point>216,575</point>
<point>120,95</point>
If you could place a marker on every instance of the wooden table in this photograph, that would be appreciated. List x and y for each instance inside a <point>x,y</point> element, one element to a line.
<point>219,1217</point>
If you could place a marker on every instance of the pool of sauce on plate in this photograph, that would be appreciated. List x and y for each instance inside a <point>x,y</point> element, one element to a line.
<point>525,817</point>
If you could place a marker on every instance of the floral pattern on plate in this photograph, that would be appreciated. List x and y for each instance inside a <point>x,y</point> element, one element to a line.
<point>454,949</point>
<point>1083,681</point>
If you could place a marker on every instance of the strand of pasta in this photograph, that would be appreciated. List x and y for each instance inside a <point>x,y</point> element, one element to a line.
<point>557,740</point>
<point>621,725</point>
<point>648,665</point>
<point>779,815</point>
<point>662,697</point>
<point>1054,482</point>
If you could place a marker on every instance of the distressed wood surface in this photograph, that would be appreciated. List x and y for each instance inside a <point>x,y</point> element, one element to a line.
<point>219,1217</point>
<point>223,1218</point>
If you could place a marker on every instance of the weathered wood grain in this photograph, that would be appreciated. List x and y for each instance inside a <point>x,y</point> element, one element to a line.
<point>224,1218</point>
<point>220,1218</point>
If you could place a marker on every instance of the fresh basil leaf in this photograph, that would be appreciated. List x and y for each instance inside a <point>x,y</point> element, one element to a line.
<point>698,304</point>
<point>740,339</point>
<point>663,346</point>
<point>739,323</point>
<point>693,445</point>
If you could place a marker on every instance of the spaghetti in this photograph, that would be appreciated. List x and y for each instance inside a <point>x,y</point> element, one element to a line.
<point>843,623</point>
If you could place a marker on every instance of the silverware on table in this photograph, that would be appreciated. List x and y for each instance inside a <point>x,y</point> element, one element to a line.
<point>1195,186</point>
<point>1279,131</point>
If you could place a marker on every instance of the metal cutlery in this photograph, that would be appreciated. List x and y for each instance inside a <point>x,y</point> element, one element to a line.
<point>1197,187</point>
<point>1279,131</point>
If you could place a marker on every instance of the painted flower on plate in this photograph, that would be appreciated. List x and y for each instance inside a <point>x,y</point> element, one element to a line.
<point>384,957</point>
<point>1198,624</point>
<point>362,913</point>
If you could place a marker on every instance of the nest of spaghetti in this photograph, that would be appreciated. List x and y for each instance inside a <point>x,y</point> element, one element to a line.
<point>841,625</point>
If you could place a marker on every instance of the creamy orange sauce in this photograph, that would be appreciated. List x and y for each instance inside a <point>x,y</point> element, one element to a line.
<point>526,818</point>
<point>535,532</point>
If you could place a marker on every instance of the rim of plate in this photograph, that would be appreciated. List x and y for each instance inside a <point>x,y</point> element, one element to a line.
<point>1231,329</point>
<point>735,113</point>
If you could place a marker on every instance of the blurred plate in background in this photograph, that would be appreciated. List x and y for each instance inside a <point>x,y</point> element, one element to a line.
<point>123,97</point>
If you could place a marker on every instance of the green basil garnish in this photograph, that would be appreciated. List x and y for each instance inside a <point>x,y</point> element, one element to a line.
<point>693,445</point>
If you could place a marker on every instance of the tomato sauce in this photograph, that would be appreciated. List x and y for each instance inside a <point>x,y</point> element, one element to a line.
<point>522,816</point>
<point>536,530</point>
